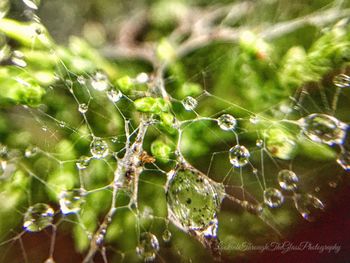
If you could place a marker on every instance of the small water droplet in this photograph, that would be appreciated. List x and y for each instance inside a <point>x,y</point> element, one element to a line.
<point>71,201</point>
<point>308,206</point>
<point>287,179</point>
<point>333,184</point>
<point>33,4</point>
<point>239,156</point>
<point>273,197</point>
<point>142,78</point>
<point>317,189</point>
<point>342,81</point>
<point>62,124</point>
<point>323,128</point>
<point>83,162</point>
<point>81,80</point>
<point>83,108</point>
<point>18,59</point>
<point>166,236</point>
<point>38,217</point>
<point>30,151</point>
<point>254,119</point>
<point>259,143</point>
<point>114,95</point>
<point>49,260</point>
<point>148,247</point>
<point>227,122</point>
<point>99,81</point>
<point>189,103</point>
<point>44,128</point>
<point>4,8</point>
<point>99,148</point>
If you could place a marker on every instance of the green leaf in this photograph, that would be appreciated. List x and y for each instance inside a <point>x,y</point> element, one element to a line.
<point>151,105</point>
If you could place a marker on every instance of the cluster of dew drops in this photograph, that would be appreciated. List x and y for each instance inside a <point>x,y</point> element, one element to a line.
<point>193,199</point>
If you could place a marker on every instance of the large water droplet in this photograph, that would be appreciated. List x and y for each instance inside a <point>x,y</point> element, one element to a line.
<point>273,197</point>
<point>308,206</point>
<point>342,81</point>
<point>38,217</point>
<point>83,108</point>
<point>287,179</point>
<point>193,201</point>
<point>148,247</point>
<point>99,148</point>
<point>83,162</point>
<point>227,122</point>
<point>239,156</point>
<point>33,4</point>
<point>189,103</point>
<point>114,95</point>
<point>71,201</point>
<point>323,128</point>
<point>99,81</point>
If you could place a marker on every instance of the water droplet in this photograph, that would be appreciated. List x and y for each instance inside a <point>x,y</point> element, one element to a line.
<point>189,103</point>
<point>99,81</point>
<point>323,128</point>
<point>342,81</point>
<point>33,4</point>
<point>142,78</point>
<point>44,128</point>
<point>148,247</point>
<point>227,122</point>
<point>273,197</point>
<point>287,179</point>
<point>4,8</point>
<point>81,80</point>
<point>71,201</point>
<point>166,236</point>
<point>193,201</point>
<point>308,206</point>
<point>83,108</point>
<point>99,148</point>
<point>114,95</point>
<point>259,143</point>
<point>18,59</point>
<point>49,260</point>
<point>38,217</point>
<point>83,162</point>
<point>30,151</point>
<point>254,119</point>
<point>333,184</point>
<point>239,156</point>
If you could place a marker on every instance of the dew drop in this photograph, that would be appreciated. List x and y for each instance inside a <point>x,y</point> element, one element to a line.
<point>259,143</point>
<point>287,179</point>
<point>254,119</point>
<point>193,201</point>
<point>342,81</point>
<point>81,80</point>
<point>30,151</point>
<point>71,201</point>
<point>99,148</point>
<point>114,95</point>
<point>83,108</point>
<point>333,184</point>
<point>239,156</point>
<point>99,81</point>
<point>18,59</point>
<point>323,128</point>
<point>308,206</point>
<point>83,162</point>
<point>4,8</point>
<point>49,260</point>
<point>38,217</point>
<point>189,103</point>
<point>227,122</point>
<point>273,197</point>
<point>166,236</point>
<point>33,4</point>
<point>148,247</point>
<point>142,78</point>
